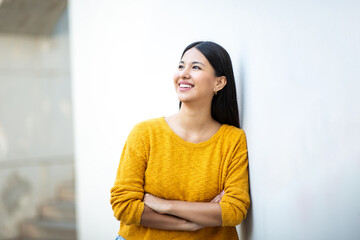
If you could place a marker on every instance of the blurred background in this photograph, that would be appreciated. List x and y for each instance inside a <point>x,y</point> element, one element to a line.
<point>76,76</point>
<point>37,197</point>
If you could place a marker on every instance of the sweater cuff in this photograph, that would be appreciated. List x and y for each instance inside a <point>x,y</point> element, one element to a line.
<point>232,214</point>
<point>139,213</point>
<point>224,213</point>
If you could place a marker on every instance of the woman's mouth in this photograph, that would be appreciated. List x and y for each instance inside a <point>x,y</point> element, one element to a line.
<point>185,86</point>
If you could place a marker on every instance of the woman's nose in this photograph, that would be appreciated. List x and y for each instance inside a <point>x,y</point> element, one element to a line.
<point>185,73</point>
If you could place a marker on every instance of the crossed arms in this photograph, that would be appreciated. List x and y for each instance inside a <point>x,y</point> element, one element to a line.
<point>180,215</point>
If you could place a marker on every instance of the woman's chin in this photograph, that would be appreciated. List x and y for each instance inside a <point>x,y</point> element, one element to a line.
<point>183,98</point>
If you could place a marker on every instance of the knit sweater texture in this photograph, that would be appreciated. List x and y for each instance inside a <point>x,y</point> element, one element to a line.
<point>157,161</point>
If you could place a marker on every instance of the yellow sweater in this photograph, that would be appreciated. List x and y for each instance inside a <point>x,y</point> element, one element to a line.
<point>157,161</point>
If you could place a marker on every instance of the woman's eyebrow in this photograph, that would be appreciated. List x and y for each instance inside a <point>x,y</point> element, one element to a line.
<point>194,62</point>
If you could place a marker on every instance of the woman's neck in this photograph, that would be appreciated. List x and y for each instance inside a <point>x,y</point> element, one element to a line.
<point>195,118</point>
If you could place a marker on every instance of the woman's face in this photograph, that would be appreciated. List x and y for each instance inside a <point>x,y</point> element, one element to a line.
<point>195,79</point>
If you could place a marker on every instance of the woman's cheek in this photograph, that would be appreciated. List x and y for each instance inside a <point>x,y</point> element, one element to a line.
<point>176,80</point>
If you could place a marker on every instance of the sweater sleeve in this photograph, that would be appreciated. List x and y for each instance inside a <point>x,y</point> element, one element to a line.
<point>128,191</point>
<point>236,200</point>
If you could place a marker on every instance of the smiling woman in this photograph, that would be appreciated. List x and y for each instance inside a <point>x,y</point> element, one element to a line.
<point>196,79</point>
<point>185,176</point>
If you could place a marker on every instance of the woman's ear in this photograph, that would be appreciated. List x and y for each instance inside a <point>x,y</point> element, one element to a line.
<point>220,83</point>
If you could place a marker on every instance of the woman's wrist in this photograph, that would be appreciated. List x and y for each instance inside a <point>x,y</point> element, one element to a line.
<point>190,226</point>
<point>157,204</point>
<point>170,205</point>
<point>165,207</point>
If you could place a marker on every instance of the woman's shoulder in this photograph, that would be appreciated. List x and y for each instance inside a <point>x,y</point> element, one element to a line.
<point>147,125</point>
<point>232,130</point>
<point>234,134</point>
<point>152,122</point>
<point>234,138</point>
<point>143,129</point>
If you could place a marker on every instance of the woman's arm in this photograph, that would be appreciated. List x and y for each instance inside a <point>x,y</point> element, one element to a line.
<point>236,201</point>
<point>203,213</point>
<point>156,220</point>
<point>128,190</point>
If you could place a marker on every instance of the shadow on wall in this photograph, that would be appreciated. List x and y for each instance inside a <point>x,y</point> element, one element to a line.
<point>246,227</point>
<point>241,91</point>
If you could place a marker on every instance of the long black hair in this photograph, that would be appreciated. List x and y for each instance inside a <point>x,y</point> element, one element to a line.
<point>224,107</point>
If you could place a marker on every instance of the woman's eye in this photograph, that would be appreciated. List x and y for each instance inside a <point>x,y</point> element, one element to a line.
<point>196,67</point>
<point>181,67</point>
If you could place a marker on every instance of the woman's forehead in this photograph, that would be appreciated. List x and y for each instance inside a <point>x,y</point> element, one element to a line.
<point>194,54</point>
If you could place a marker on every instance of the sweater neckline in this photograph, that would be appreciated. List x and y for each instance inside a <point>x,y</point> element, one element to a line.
<point>213,138</point>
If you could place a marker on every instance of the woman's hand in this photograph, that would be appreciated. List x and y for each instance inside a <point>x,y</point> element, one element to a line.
<point>218,198</point>
<point>194,226</point>
<point>157,204</point>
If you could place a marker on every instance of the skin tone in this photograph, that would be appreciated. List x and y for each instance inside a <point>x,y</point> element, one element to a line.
<point>193,123</point>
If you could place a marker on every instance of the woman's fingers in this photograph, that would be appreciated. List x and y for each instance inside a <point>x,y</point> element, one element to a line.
<point>222,193</point>
<point>196,227</point>
<point>146,196</point>
<point>218,197</point>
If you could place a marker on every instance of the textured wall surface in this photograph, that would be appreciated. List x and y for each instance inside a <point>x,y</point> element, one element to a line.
<point>35,95</point>
<point>36,17</point>
<point>36,147</point>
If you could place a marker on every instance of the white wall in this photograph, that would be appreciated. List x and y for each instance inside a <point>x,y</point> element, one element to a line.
<point>296,62</point>
<point>302,119</point>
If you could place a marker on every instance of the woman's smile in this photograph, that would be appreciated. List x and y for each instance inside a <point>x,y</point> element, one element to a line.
<point>195,75</point>
<point>185,86</point>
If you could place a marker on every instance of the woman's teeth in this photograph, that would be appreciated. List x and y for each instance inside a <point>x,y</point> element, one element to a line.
<point>185,86</point>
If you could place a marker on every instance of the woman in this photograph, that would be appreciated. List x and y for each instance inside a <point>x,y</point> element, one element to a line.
<point>185,176</point>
